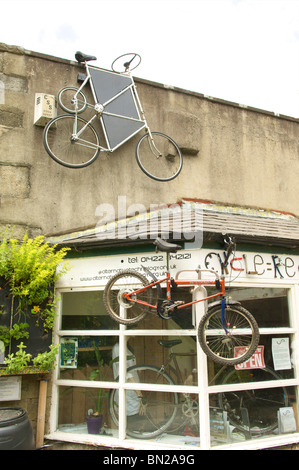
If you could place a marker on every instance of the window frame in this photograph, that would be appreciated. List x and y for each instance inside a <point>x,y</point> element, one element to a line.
<point>203,389</point>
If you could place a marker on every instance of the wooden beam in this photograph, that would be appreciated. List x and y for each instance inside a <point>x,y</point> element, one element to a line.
<point>41,415</point>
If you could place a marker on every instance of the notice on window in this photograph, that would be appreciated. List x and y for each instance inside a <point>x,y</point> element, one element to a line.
<point>256,361</point>
<point>69,353</point>
<point>281,353</point>
<point>286,420</point>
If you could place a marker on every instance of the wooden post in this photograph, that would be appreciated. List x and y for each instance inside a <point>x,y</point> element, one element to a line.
<point>41,414</point>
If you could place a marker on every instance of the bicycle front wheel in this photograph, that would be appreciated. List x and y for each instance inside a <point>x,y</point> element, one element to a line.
<point>68,102</point>
<point>159,157</point>
<point>118,307</point>
<point>64,143</point>
<point>219,343</point>
<point>158,408</point>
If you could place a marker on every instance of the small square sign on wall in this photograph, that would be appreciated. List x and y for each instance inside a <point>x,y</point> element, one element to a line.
<point>10,388</point>
<point>45,108</point>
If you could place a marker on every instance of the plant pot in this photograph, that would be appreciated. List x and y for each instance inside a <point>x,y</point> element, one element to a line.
<point>94,424</point>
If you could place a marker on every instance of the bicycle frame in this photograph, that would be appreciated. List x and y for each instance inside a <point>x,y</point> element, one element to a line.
<point>172,364</point>
<point>101,112</point>
<point>218,283</point>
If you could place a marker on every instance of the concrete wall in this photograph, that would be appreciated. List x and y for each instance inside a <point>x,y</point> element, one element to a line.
<point>231,154</point>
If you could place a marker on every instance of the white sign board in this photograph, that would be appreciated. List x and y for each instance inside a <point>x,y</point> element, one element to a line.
<point>10,388</point>
<point>96,271</point>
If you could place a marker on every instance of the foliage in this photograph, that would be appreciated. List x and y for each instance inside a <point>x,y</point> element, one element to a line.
<point>30,267</point>
<point>16,363</point>
<point>100,373</point>
<point>16,332</point>
<point>46,313</point>
<point>46,361</point>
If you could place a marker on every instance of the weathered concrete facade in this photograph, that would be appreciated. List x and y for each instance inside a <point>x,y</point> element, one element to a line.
<point>232,155</point>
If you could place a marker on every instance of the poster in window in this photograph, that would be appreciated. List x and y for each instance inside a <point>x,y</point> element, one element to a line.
<point>69,353</point>
<point>256,361</point>
<point>281,353</point>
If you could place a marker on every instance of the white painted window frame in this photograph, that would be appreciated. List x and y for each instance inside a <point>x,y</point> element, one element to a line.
<point>202,389</point>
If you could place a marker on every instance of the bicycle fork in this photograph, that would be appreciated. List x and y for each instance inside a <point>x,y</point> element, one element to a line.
<point>223,315</point>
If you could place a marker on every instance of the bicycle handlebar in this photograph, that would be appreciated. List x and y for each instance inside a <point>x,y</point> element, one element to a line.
<point>127,64</point>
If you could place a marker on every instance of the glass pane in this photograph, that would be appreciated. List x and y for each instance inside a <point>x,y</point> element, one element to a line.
<point>87,358</point>
<point>166,417</point>
<point>85,311</point>
<point>177,319</point>
<point>96,358</point>
<point>269,362</point>
<point>75,405</point>
<point>269,306</point>
<point>253,414</point>
<point>175,356</point>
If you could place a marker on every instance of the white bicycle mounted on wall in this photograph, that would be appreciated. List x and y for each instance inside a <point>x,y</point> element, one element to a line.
<point>73,141</point>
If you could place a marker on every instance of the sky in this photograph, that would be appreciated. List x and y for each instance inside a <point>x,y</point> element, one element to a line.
<point>245,51</point>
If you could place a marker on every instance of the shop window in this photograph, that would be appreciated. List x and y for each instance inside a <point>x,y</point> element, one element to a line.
<point>157,384</point>
<point>77,404</point>
<point>86,358</point>
<point>85,311</point>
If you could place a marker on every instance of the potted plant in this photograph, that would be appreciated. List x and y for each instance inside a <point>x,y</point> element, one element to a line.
<point>94,422</point>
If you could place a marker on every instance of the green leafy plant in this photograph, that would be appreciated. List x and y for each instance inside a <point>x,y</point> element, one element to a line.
<point>16,363</point>
<point>100,373</point>
<point>4,335</point>
<point>46,313</point>
<point>46,361</point>
<point>16,332</point>
<point>29,267</point>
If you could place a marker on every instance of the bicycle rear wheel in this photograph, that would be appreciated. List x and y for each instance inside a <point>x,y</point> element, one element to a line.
<point>159,408</point>
<point>119,308</point>
<point>241,331</point>
<point>159,157</point>
<point>67,149</point>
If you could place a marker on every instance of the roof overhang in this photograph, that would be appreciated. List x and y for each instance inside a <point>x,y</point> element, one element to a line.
<point>187,221</point>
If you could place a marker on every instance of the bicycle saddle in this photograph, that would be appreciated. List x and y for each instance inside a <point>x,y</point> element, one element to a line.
<point>169,343</point>
<point>81,57</point>
<point>163,245</point>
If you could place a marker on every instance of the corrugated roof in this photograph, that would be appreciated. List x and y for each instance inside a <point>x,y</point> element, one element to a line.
<point>181,221</point>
